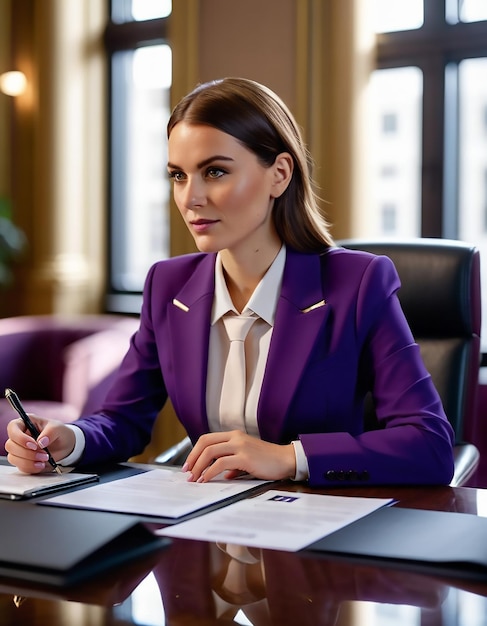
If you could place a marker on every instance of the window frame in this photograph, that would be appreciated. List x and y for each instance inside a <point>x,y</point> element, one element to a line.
<point>118,37</point>
<point>434,47</point>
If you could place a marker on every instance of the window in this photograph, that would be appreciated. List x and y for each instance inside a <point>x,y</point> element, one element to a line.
<point>432,74</point>
<point>472,151</point>
<point>395,15</point>
<point>397,95</point>
<point>472,10</point>
<point>140,80</point>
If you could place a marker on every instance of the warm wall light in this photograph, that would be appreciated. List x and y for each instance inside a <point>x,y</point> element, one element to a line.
<point>13,83</point>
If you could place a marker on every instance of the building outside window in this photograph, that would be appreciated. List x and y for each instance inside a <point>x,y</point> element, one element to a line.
<point>389,215</point>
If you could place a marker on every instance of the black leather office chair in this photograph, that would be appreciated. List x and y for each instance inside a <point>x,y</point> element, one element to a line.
<point>440,296</point>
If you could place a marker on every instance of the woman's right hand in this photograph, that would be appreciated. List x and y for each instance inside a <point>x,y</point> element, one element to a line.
<point>27,454</point>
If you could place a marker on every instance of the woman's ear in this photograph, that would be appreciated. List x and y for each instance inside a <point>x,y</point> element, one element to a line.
<point>283,168</point>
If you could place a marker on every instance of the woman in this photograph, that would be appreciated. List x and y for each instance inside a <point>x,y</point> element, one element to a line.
<point>325,323</point>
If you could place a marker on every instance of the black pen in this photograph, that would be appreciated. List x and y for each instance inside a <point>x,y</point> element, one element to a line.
<point>13,398</point>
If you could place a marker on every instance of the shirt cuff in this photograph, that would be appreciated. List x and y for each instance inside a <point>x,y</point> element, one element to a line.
<point>78,449</point>
<point>302,468</point>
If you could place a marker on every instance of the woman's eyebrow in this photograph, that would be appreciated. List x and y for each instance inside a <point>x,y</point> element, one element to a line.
<point>216,157</point>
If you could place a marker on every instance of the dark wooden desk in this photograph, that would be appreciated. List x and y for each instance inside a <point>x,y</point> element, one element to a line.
<point>190,584</point>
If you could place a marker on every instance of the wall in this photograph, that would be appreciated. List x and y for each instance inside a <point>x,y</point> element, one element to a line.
<point>253,39</point>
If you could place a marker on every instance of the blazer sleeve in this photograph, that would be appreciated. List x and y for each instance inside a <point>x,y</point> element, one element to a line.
<point>414,442</point>
<point>123,426</point>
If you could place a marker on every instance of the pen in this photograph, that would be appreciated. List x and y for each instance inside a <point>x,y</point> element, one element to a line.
<point>13,398</point>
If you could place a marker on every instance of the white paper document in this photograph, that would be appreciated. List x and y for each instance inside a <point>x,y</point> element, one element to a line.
<point>281,520</point>
<point>158,492</point>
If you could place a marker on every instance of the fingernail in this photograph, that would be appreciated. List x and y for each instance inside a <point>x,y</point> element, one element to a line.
<point>42,456</point>
<point>185,468</point>
<point>190,478</point>
<point>44,442</point>
<point>201,479</point>
<point>39,465</point>
<point>31,445</point>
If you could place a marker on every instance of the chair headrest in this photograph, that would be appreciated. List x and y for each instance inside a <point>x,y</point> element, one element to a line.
<point>440,283</point>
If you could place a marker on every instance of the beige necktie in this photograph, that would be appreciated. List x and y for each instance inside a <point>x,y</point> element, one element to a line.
<point>233,394</point>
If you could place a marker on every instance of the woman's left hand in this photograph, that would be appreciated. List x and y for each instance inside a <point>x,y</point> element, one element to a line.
<point>236,452</point>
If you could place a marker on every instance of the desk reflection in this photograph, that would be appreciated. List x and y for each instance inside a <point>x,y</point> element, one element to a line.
<point>200,584</point>
<point>204,584</point>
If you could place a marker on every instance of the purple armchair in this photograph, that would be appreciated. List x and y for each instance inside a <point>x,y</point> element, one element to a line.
<point>60,366</point>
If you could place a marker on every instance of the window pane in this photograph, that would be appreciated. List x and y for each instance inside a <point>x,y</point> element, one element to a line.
<point>397,121</point>
<point>473,10</point>
<point>139,10</point>
<point>473,161</point>
<point>395,15</point>
<point>140,188</point>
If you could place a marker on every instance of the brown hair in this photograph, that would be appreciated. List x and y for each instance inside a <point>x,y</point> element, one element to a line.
<point>259,119</point>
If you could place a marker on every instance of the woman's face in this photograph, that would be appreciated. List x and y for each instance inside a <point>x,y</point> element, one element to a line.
<point>224,194</point>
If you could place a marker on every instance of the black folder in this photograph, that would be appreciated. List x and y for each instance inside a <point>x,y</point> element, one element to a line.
<point>64,546</point>
<point>439,542</point>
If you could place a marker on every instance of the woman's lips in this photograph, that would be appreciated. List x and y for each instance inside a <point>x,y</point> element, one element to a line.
<point>202,225</point>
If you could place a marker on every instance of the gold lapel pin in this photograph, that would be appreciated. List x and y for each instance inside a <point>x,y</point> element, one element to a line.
<point>317,305</point>
<point>180,305</point>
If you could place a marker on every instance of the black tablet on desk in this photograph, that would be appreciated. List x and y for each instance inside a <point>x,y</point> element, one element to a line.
<point>441,542</point>
<point>61,547</point>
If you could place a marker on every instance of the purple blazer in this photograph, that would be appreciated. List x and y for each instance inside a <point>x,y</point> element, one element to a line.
<point>339,332</point>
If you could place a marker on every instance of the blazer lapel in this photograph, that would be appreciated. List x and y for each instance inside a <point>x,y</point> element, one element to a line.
<point>189,317</point>
<point>301,313</point>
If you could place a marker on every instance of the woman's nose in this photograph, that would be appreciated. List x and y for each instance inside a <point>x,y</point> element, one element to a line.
<point>194,194</point>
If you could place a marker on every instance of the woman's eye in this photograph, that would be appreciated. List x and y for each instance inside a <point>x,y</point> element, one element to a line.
<point>215,172</point>
<point>176,176</point>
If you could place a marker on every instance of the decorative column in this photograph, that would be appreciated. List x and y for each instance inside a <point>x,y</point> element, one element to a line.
<point>59,161</point>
